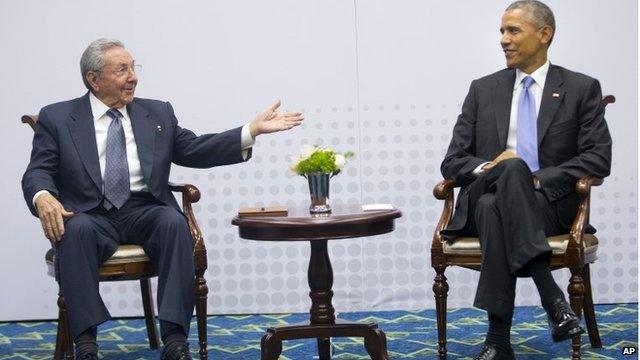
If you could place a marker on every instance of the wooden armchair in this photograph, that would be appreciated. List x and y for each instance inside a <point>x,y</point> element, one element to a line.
<point>575,251</point>
<point>130,262</point>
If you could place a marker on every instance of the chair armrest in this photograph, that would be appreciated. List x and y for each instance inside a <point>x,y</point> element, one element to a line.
<point>190,195</point>
<point>583,189</point>
<point>584,184</point>
<point>189,192</point>
<point>442,191</point>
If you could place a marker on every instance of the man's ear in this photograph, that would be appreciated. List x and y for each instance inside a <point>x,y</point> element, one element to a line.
<point>92,79</point>
<point>546,34</point>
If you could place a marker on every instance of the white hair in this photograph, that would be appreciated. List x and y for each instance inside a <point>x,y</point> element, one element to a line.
<point>93,57</point>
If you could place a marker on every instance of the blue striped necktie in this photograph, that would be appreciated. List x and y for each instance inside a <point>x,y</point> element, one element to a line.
<point>527,127</point>
<point>116,172</point>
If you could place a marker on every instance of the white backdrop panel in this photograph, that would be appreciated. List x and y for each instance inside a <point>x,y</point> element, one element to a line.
<point>382,78</point>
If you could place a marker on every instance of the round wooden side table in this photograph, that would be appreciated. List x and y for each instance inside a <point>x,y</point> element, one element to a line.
<point>347,221</point>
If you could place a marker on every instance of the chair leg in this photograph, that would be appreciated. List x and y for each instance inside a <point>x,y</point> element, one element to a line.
<point>64,333</point>
<point>589,311</point>
<point>576,295</point>
<point>60,340</point>
<point>149,313</point>
<point>440,290</point>
<point>201,312</point>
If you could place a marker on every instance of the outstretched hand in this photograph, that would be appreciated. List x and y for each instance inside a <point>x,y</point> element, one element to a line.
<point>270,120</point>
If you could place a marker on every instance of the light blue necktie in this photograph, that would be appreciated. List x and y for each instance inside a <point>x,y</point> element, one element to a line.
<point>527,128</point>
<point>116,172</point>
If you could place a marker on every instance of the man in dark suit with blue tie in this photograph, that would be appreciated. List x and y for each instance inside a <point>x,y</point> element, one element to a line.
<point>525,135</point>
<point>98,178</point>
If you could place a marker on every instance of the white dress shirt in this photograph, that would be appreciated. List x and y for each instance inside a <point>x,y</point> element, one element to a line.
<point>136,178</point>
<point>539,77</point>
<point>101,122</point>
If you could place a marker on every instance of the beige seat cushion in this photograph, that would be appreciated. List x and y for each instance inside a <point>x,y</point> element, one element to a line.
<point>471,246</point>
<point>124,254</point>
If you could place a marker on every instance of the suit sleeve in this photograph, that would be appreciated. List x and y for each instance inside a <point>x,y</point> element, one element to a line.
<point>461,158</point>
<point>206,150</point>
<point>593,149</point>
<point>42,170</point>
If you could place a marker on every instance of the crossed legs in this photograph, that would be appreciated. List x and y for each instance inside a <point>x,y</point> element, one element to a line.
<point>512,221</point>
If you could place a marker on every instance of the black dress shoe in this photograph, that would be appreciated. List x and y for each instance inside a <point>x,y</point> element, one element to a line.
<point>492,352</point>
<point>90,356</point>
<point>179,352</point>
<point>563,321</point>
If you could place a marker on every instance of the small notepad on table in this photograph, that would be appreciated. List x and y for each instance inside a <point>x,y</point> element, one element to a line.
<point>374,207</point>
<point>263,211</point>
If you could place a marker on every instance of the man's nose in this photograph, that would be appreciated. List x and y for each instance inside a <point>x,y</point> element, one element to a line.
<point>132,76</point>
<point>504,39</point>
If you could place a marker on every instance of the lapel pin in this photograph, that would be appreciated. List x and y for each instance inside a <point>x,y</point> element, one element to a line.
<point>159,128</point>
<point>555,95</point>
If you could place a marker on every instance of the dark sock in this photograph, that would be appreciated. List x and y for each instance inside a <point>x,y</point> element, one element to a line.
<point>541,274</point>
<point>499,333</point>
<point>86,342</point>
<point>172,335</point>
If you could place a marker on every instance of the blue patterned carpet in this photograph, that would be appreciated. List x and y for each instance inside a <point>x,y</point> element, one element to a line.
<point>410,335</point>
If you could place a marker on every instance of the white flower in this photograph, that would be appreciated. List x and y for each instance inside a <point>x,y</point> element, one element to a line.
<point>295,160</point>
<point>306,152</point>
<point>302,164</point>
<point>340,161</point>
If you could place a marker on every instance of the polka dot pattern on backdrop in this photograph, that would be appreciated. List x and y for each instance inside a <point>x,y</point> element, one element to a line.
<point>398,149</point>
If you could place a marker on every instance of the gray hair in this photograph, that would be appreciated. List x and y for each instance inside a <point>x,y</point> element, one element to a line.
<point>538,12</point>
<point>93,57</point>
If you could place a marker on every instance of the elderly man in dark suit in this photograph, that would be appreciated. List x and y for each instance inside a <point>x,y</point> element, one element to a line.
<point>98,178</point>
<point>523,138</point>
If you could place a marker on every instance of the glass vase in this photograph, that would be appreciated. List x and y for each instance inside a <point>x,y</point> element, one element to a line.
<point>319,192</point>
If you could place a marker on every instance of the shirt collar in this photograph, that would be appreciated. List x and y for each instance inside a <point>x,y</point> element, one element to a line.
<point>99,109</point>
<point>539,75</point>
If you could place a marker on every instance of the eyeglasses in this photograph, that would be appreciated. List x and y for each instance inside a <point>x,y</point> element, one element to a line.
<point>125,70</point>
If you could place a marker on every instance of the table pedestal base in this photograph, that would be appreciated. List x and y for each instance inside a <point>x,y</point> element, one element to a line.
<point>344,223</point>
<point>375,342</point>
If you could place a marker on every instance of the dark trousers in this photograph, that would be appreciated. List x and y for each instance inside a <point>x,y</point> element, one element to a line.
<point>512,221</point>
<point>91,238</point>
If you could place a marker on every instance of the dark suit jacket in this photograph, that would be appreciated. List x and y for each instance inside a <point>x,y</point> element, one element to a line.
<point>64,159</point>
<point>573,138</point>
